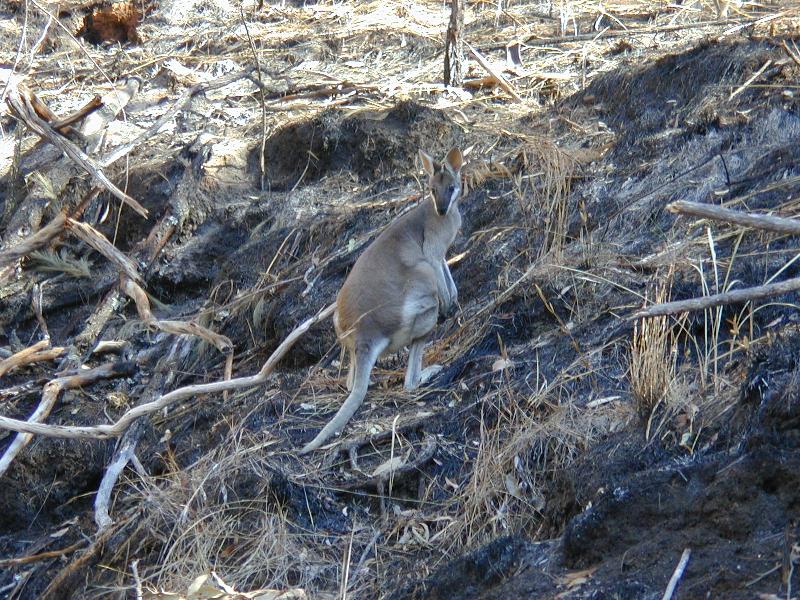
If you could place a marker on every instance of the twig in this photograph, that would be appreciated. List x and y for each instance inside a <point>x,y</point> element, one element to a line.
<point>46,234</point>
<point>709,211</point>
<point>17,359</point>
<point>79,114</point>
<point>122,456</point>
<point>501,81</point>
<point>119,427</point>
<point>136,293</point>
<point>39,352</point>
<point>51,393</point>
<point>60,582</point>
<point>357,571</point>
<point>676,576</point>
<point>734,297</point>
<point>136,579</point>
<point>750,80</point>
<point>36,305</point>
<point>100,243</point>
<point>24,560</point>
<point>21,106</point>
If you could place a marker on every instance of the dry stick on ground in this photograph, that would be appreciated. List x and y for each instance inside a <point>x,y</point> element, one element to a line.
<point>15,360</point>
<point>79,114</point>
<point>23,110</point>
<point>24,560</point>
<point>744,295</point>
<point>709,211</point>
<point>136,293</point>
<point>61,581</point>
<point>99,242</point>
<point>39,352</point>
<point>766,222</point>
<point>122,456</point>
<point>51,393</point>
<point>676,576</point>
<point>47,233</point>
<point>108,431</point>
<point>501,81</point>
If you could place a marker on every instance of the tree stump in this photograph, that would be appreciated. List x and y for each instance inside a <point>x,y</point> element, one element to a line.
<point>454,46</point>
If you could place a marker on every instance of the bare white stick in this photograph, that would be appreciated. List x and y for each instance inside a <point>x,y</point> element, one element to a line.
<point>115,430</point>
<point>744,295</point>
<point>718,213</point>
<point>676,576</point>
<point>121,458</point>
<point>49,396</point>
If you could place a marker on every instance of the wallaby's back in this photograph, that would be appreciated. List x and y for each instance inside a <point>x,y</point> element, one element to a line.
<point>384,278</point>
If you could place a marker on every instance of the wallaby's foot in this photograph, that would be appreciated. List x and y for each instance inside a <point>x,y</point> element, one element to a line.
<point>429,373</point>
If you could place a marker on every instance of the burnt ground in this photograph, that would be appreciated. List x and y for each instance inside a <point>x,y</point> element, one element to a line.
<point>553,474</point>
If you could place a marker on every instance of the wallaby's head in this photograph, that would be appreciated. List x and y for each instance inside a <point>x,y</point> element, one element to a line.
<point>444,179</point>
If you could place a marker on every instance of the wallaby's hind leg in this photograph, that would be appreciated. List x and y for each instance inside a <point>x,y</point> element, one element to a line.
<point>414,367</point>
<point>415,374</point>
<point>366,354</point>
<point>352,369</point>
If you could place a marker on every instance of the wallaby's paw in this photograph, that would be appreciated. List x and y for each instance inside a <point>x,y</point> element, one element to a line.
<point>428,373</point>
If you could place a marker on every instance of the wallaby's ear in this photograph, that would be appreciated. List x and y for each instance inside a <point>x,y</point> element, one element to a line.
<point>454,160</point>
<point>427,163</point>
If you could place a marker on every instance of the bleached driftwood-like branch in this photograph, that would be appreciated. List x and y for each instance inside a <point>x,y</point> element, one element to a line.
<point>116,429</point>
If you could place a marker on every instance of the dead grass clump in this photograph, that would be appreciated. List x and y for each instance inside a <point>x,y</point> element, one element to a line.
<point>653,359</point>
<point>542,186</point>
<point>531,439</point>
<point>219,515</point>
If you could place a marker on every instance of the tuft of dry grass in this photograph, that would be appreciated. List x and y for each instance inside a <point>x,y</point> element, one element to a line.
<point>529,440</point>
<point>220,515</point>
<point>653,360</point>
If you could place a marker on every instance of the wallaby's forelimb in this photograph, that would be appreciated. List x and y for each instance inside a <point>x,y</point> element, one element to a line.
<point>365,359</point>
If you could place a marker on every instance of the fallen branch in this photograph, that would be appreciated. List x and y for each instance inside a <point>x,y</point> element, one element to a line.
<point>744,295</point>
<point>21,106</point>
<point>718,213</point>
<point>39,352</point>
<point>100,243</point>
<point>136,293</point>
<point>24,560</point>
<point>47,233</point>
<point>63,579</point>
<point>122,456</point>
<point>78,115</point>
<point>501,81</point>
<point>108,431</point>
<point>51,393</point>
<point>676,576</point>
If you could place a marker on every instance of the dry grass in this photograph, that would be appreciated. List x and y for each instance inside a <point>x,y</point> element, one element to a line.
<point>220,514</point>
<point>527,440</point>
<point>653,359</point>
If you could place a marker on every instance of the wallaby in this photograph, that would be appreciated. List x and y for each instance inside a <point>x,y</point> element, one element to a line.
<point>397,289</point>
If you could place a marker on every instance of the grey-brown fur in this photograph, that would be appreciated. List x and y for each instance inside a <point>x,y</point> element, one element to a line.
<point>397,288</point>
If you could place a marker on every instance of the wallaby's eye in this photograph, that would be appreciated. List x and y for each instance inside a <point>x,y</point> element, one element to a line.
<point>450,189</point>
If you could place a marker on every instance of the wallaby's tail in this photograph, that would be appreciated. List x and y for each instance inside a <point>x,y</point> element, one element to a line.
<point>366,356</point>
